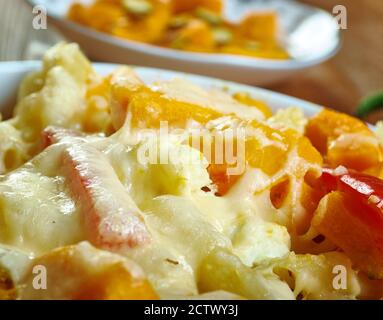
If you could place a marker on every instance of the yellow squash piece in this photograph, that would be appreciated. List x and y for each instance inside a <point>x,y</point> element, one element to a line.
<point>84,272</point>
<point>354,227</point>
<point>344,140</point>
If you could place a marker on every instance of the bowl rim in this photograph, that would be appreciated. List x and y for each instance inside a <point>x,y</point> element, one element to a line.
<point>196,57</point>
<point>275,99</point>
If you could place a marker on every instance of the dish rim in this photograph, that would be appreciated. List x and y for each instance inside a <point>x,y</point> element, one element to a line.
<point>276,100</point>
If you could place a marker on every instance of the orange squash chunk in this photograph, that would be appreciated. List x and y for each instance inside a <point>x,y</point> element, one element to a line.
<point>146,29</point>
<point>83,272</point>
<point>355,151</point>
<point>328,125</point>
<point>101,15</point>
<point>196,36</point>
<point>248,100</point>
<point>354,227</point>
<point>115,284</point>
<point>344,140</point>
<point>270,159</point>
<point>223,181</point>
<point>260,26</point>
<point>189,5</point>
<point>149,108</point>
<point>111,17</point>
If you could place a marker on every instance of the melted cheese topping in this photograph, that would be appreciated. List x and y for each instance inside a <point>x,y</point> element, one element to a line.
<point>83,187</point>
<point>218,100</point>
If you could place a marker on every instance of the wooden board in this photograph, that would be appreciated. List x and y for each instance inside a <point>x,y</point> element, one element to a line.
<point>356,71</point>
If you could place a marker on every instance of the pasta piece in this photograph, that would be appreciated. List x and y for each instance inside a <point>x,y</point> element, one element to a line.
<point>122,79</point>
<point>224,271</point>
<point>36,208</point>
<point>13,150</point>
<point>13,265</point>
<point>71,59</point>
<point>179,220</point>
<point>60,94</point>
<point>67,56</point>
<point>112,220</point>
<point>214,295</point>
<point>96,117</point>
<point>279,163</point>
<point>52,135</point>
<point>59,103</point>
<point>289,118</point>
<point>258,241</point>
<point>182,236</point>
<point>312,277</point>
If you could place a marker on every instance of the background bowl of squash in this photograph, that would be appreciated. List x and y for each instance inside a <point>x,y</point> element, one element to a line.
<point>254,42</point>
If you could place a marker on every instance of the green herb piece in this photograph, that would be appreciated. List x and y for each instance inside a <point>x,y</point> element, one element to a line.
<point>369,104</point>
<point>208,16</point>
<point>222,36</point>
<point>138,7</point>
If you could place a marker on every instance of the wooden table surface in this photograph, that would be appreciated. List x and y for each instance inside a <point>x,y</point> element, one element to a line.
<point>340,83</point>
<point>356,71</point>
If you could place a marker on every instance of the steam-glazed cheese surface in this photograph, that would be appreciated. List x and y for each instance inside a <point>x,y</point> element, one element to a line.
<point>167,190</point>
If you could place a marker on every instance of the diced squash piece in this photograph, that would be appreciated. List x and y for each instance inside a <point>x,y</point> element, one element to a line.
<point>328,125</point>
<point>354,227</point>
<point>218,174</point>
<point>81,272</point>
<point>146,28</point>
<point>148,108</point>
<point>355,151</point>
<point>189,5</point>
<point>344,140</point>
<point>196,36</point>
<point>248,100</point>
<point>260,26</point>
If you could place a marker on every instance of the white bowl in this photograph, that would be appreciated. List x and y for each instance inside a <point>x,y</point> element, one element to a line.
<point>311,36</point>
<point>11,73</point>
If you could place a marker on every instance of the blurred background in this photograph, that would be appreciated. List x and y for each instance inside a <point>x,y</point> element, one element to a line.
<point>340,83</point>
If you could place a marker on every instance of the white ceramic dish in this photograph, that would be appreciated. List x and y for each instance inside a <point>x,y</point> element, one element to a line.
<point>311,36</point>
<point>11,73</point>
